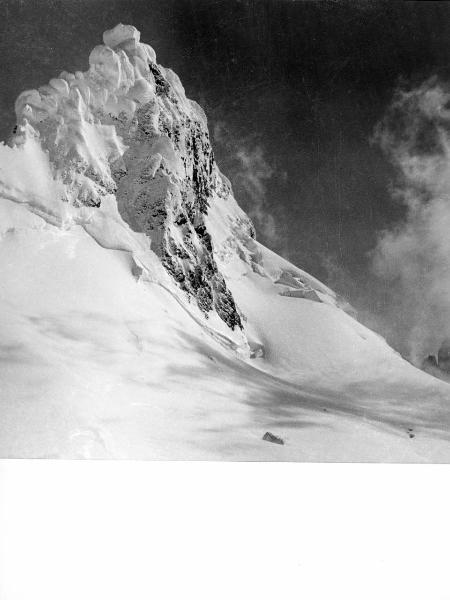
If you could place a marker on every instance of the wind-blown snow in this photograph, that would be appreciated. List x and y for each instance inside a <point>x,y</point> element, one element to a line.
<point>141,319</point>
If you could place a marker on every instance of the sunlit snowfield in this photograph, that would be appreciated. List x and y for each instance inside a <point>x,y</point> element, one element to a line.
<point>97,364</point>
<point>104,356</point>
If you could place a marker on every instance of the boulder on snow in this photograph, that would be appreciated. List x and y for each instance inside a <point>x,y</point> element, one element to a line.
<point>270,437</point>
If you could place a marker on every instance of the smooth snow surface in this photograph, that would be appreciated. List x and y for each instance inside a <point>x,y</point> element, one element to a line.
<point>102,355</point>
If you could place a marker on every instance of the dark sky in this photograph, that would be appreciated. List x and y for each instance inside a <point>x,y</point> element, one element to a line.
<point>298,84</point>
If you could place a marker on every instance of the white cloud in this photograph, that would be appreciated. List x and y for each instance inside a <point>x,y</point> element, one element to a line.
<point>415,257</point>
<point>250,173</point>
<point>253,175</point>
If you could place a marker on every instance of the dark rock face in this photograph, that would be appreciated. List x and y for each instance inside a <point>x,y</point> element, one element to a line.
<point>270,437</point>
<point>166,181</point>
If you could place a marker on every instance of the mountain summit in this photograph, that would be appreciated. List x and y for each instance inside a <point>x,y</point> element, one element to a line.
<point>141,318</point>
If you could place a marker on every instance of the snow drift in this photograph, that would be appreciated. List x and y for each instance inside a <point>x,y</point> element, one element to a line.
<point>140,318</point>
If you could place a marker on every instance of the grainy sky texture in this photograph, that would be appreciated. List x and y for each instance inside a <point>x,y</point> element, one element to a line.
<point>292,90</point>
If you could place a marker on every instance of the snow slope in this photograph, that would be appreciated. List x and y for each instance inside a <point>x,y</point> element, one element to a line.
<point>141,319</point>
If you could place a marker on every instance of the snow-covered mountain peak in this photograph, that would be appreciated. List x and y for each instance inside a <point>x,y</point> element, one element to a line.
<point>129,151</point>
<point>139,315</point>
<point>132,162</point>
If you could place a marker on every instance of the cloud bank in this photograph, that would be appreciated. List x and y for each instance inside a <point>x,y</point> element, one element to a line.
<point>414,258</point>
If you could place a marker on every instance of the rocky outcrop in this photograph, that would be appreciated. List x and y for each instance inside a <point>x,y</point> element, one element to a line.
<point>166,180</point>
